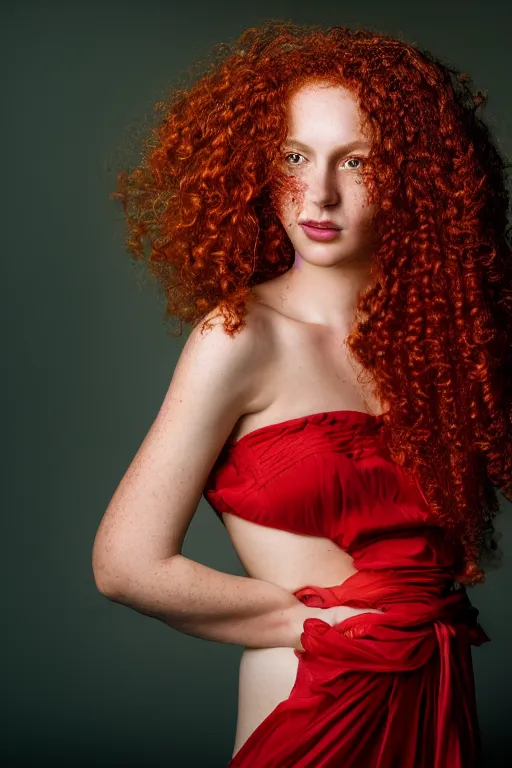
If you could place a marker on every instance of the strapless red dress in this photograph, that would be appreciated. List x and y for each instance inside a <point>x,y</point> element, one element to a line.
<point>390,690</point>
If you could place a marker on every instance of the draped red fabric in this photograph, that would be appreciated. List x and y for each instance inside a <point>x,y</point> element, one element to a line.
<point>382,691</point>
<point>389,690</point>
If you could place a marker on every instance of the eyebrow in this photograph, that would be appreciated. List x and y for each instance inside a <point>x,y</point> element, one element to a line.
<point>347,147</point>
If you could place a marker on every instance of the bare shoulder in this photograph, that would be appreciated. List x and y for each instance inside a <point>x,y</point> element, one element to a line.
<point>232,369</point>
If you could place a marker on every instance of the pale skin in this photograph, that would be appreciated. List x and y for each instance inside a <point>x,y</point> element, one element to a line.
<point>289,360</point>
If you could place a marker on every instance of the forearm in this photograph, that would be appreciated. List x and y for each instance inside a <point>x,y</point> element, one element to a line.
<point>200,601</point>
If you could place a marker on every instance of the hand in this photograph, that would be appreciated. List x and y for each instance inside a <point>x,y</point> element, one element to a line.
<point>331,616</point>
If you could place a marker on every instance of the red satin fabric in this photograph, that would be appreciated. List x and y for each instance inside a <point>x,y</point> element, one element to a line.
<point>391,690</point>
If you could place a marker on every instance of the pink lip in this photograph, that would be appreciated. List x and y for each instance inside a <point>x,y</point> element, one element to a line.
<point>317,233</point>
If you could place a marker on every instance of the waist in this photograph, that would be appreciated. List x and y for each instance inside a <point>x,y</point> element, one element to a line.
<point>408,596</point>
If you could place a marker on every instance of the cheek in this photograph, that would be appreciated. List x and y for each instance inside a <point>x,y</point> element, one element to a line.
<point>289,196</point>
<point>367,224</point>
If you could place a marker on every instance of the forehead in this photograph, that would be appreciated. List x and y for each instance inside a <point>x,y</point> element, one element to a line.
<point>324,111</point>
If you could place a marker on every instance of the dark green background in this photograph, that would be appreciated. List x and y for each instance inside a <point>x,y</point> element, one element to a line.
<point>87,363</point>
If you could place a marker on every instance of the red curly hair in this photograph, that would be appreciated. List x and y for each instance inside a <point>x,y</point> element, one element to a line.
<point>437,330</point>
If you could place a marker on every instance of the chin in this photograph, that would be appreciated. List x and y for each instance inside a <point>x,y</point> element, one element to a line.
<point>327,255</point>
<point>321,256</point>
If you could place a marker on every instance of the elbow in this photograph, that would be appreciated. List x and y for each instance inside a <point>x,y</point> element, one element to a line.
<point>108,582</point>
<point>109,578</point>
<point>131,581</point>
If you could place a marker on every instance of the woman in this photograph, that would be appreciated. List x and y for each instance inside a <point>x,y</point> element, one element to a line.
<point>322,205</point>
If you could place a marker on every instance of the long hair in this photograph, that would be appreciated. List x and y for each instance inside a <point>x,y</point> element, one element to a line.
<point>434,329</point>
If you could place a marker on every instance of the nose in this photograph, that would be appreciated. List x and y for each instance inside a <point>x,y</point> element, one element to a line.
<point>323,186</point>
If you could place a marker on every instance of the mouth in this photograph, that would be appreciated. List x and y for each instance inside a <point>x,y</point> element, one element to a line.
<point>320,231</point>
<point>319,224</point>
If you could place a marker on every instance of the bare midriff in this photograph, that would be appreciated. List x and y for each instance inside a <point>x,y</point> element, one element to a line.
<point>291,561</point>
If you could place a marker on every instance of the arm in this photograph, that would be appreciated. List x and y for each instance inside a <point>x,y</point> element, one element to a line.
<point>137,556</point>
<point>203,602</point>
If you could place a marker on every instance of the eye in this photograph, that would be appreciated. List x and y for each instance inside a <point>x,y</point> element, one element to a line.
<point>294,155</point>
<point>351,159</point>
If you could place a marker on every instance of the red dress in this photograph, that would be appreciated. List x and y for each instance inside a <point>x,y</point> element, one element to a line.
<point>391,690</point>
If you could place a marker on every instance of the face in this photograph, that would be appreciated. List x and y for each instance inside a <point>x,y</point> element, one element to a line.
<point>323,156</point>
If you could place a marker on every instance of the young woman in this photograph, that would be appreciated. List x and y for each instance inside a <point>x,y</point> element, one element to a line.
<point>328,212</point>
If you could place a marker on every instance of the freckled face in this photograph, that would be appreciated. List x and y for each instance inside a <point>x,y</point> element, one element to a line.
<point>323,156</point>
